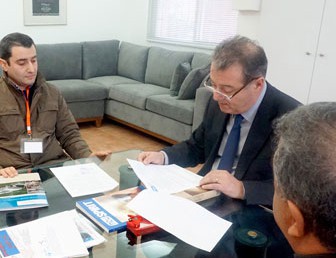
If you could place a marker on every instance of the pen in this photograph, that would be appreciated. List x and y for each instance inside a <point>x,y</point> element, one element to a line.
<point>266,209</point>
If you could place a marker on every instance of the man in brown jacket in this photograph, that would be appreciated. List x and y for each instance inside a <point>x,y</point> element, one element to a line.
<point>36,126</point>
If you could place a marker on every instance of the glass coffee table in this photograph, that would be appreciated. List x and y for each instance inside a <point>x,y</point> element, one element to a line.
<point>252,234</point>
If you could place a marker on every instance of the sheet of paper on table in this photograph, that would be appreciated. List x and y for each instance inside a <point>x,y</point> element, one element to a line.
<point>165,178</point>
<point>45,237</point>
<point>183,218</point>
<point>84,179</point>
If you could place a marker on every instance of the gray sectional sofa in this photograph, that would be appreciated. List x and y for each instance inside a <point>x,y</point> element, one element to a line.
<point>152,89</point>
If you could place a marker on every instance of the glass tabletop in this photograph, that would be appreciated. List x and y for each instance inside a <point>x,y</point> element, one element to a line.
<point>252,234</point>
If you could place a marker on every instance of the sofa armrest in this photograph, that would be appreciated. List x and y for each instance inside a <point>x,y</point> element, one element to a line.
<point>201,102</point>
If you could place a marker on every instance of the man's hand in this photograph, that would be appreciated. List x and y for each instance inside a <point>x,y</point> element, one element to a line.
<point>151,157</point>
<point>101,154</point>
<point>224,182</point>
<point>8,172</point>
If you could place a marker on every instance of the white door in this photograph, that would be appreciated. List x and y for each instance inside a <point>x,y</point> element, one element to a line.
<point>289,32</point>
<point>323,87</point>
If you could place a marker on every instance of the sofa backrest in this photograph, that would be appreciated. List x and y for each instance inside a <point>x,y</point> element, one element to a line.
<point>60,61</point>
<point>200,59</point>
<point>100,58</point>
<point>132,61</point>
<point>162,63</point>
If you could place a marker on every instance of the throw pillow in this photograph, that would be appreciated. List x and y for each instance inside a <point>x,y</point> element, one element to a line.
<point>180,73</point>
<point>192,82</point>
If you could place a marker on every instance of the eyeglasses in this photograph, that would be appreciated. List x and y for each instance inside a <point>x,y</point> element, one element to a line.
<point>209,86</point>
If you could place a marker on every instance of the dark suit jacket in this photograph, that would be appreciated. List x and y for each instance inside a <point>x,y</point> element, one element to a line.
<point>254,165</point>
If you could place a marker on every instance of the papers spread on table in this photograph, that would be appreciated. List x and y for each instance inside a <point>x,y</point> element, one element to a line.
<point>24,191</point>
<point>47,237</point>
<point>84,179</point>
<point>181,217</point>
<point>165,178</point>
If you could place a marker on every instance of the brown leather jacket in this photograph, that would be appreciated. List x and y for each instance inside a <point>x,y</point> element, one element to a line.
<point>51,120</point>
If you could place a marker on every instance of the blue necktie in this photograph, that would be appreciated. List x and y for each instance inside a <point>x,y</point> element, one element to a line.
<point>231,146</point>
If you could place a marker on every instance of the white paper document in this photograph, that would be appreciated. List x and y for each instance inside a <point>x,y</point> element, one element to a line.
<point>84,179</point>
<point>54,236</point>
<point>165,178</point>
<point>183,218</point>
<point>89,235</point>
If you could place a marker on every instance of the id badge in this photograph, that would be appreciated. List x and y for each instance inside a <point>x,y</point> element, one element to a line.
<point>34,145</point>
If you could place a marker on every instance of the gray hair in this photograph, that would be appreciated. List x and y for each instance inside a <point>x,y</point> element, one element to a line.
<point>11,40</point>
<point>305,166</point>
<point>243,51</point>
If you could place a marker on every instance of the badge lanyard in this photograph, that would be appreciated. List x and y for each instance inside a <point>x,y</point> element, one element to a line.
<point>30,145</point>
<point>28,122</point>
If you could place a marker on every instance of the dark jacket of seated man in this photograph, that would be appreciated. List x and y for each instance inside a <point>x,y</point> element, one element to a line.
<point>254,167</point>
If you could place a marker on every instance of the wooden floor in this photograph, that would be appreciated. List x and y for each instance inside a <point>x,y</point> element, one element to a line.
<point>116,137</point>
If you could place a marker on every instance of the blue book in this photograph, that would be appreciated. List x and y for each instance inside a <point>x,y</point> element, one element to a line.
<point>24,191</point>
<point>109,211</point>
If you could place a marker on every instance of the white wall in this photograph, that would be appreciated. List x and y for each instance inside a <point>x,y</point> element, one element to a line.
<point>88,20</point>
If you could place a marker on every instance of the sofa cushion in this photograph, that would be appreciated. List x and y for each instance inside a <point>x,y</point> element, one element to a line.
<point>168,106</point>
<point>79,90</point>
<point>180,73</point>
<point>100,58</point>
<point>192,82</point>
<point>108,81</point>
<point>60,61</point>
<point>162,63</point>
<point>132,61</point>
<point>135,94</point>
<point>200,59</point>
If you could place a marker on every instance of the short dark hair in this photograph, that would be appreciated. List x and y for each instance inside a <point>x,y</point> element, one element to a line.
<point>244,51</point>
<point>11,40</point>
<point>305,166</point>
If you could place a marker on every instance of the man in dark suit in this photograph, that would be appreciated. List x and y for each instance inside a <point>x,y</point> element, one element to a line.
<point>237,80</point>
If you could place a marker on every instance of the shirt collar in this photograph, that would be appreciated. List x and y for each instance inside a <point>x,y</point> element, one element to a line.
<point>12,83</point>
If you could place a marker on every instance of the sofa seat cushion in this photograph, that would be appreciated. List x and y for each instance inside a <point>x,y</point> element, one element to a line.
<point>168,106</point>
<point>109,81</point>
<point>80,90</point>
<point>135,94</point>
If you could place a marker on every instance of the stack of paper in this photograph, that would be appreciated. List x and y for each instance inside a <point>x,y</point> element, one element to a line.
<point>181,217</point>
<point>167,178</point>
<point>46,237</point>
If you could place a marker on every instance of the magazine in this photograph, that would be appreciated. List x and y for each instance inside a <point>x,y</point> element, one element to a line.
<point>23,191</point>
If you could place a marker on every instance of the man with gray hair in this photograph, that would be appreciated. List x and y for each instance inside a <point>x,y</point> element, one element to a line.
<point>304,163</point>
<point>235,138</point>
